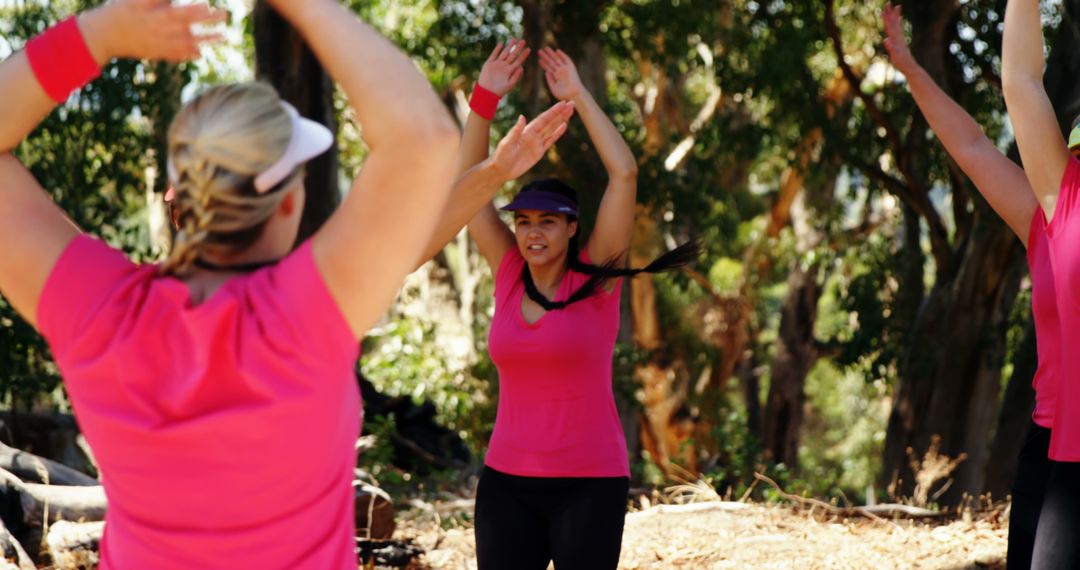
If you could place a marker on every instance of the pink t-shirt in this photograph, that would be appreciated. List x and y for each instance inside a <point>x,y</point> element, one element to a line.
<point>225,431</point>
<point>557,415</point>
<point>1047,328</point>
<point>1064,237</point>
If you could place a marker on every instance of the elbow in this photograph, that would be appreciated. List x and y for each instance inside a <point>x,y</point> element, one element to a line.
<point>627,172</point>
<point>438,136</point>
<point>1015,79</point>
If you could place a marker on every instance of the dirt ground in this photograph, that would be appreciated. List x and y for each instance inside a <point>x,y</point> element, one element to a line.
<point>724,535</point>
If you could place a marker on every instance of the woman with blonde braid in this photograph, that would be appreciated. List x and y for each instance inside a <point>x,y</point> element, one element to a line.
<point>199,381</point>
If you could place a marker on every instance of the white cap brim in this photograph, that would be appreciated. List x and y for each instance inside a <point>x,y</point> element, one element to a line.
<point>309,139</point>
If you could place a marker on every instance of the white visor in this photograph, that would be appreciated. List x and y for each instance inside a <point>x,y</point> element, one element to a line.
<point>309,139</point>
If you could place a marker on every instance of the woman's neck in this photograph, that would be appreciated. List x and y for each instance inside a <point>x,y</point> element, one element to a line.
<point>549,276</point>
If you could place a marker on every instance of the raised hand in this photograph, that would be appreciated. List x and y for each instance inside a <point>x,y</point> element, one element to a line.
<point>148,29</point>
<point>502,70</point>
<point>895,41</point>
<point>562,77</point>
<point>526,144</point>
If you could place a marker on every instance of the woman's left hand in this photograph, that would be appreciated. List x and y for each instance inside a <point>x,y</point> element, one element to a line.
<point>155,30</point>
<point>562,77</point>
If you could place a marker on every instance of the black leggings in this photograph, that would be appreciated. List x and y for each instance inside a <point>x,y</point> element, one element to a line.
<point>1057,542</point>
<point>1032,475</point>
<point>522,523</point>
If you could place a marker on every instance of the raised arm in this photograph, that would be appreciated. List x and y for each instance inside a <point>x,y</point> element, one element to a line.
<point>35,230</point>
<point>1038,135</point>
<point>373,241</point>
<point>499,75</point>
<point>518,152</point>
<point>615,220</point>
<point>997,178</point>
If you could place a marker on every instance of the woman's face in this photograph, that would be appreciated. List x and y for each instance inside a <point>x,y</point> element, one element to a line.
<point>543,237</point>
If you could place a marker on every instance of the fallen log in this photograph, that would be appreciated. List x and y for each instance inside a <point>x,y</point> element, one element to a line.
<point>32,468</point>
<point>14,555</point>
<point>51,435</point>
<point>25,508</point>
<point>77,504</point>
<point>75,546</point>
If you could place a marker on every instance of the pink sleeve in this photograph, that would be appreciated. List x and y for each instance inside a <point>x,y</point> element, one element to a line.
<point>1068,198</point>
<point>81,283</point>
<point>295,298</point>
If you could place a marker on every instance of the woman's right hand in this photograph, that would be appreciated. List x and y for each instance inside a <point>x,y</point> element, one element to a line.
<point>503,68</point>
<point>148,29</point>
<point>895,41</point>
<point>526,144</point>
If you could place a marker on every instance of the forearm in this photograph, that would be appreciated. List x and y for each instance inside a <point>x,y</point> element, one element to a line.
<point>469,194</point>
<point>1022,59</point>
<point>954,127</point>
<point>475,143</point>
<point>392,99</point>
<point>25,102</point>
<point>616,155</point>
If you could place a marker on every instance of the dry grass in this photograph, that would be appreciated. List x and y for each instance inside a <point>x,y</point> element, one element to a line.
<point>722,535</point>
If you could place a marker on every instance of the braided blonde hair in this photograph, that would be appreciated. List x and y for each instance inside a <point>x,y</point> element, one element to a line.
<point>218,144</point>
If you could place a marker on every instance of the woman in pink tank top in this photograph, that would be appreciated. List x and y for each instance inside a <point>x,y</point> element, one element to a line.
<point>196,381</point>
<point>1008,192</point>
<point>1054,174</point>
<point>556,473</point>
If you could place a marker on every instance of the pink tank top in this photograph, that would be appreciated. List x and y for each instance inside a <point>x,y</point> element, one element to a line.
<point>557,415</point>
<point>1063,233</point>
<point>1047,327</point>
<point>225,431</point>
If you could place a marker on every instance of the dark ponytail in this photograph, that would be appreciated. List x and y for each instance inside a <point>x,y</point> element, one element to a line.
<point>681,256</point>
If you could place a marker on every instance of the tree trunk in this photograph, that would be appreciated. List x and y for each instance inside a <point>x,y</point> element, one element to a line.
<point>950,381</point>
<point>1013,421</point>
<point>796,353</point>
<point>284,60</point>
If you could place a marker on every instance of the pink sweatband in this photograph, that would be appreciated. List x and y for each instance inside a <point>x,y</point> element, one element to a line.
<point>484,102</point>
<point>61,60</point>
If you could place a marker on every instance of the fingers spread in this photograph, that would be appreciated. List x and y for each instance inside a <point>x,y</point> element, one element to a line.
<point>522,56</point>
<point>495,53</point>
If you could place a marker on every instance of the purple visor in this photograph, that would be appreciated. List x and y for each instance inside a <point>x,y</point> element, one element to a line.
<point>544,201</point>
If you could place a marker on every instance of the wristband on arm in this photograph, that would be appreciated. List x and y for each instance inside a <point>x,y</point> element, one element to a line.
<point>61,60</point>
<point>484,102</point>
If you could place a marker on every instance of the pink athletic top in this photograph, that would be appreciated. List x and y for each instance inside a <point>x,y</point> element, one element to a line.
<point>1064,237</point>
<point>1047,328</point>
<point>557,415</point>
<point>225,431</point>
